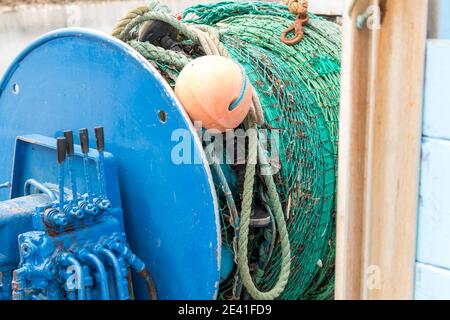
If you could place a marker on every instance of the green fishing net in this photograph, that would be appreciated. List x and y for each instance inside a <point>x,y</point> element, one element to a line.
<point>299,89</point>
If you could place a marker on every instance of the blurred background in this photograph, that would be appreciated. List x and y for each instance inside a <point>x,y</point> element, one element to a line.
<point>22,21</point>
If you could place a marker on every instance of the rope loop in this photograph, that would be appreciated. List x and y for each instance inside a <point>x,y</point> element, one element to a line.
<point>136,12</point>
<point>299,8</point>
<point>256,154</point>
<point>161,16</point>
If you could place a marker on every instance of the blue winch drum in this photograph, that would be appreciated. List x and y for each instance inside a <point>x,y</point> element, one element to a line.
<point>75,78</point>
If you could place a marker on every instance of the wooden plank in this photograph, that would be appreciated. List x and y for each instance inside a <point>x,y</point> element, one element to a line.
<point>380,133</point>
<point>432,283</point>
<point>434,215</point>
<point>354,85</point>
<point>437,93</point>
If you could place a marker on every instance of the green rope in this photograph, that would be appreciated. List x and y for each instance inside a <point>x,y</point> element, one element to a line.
<point>161,16</point>
<point>255,152</point>
<point>159,54</point>
<point>127,19</point>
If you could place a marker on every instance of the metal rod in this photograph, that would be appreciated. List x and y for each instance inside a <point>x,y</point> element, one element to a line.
<point>40,187</point>
<point>101,275</point>
<point>61,146</point>
<point>84,141</point>
<point>80,276</point>
<point>70,153</point>
<point>119,277</point>
<point>5,185</point>
<point>100,141</point>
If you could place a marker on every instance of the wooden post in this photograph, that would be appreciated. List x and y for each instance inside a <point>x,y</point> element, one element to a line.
<point>380,130</point>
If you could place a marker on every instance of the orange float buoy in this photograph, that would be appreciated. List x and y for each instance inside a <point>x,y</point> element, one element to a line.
<point>216,91</point>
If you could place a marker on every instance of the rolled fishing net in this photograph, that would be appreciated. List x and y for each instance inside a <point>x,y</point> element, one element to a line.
<point>299,88</point>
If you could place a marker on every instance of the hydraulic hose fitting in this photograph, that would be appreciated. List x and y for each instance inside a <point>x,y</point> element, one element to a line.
<point>137,264</point>
<point>76,213</point>
<point>54,218</point>
<point>89,209</point>
<point>103,204</point>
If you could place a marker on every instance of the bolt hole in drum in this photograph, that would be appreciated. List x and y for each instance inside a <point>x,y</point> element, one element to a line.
<point>162,115</point>
<point>15,88</point>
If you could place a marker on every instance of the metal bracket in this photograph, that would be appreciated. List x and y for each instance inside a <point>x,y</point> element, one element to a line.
<point>5,185</point>
<point>370,18</point>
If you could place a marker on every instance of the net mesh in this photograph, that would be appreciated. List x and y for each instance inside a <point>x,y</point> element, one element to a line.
<point>299,89</point>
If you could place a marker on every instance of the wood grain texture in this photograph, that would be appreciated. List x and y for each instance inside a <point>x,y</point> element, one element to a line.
<point>379,157</point>
<point>354,84</point>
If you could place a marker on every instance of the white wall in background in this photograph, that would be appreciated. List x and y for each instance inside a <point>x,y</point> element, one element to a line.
<point>433,238</point>
<point>21,25</point>
<point>327,7</point>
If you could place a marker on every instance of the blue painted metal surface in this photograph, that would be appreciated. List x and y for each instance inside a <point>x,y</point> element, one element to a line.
<point>16,218</point>
<point>34,158</point>
<point>53,243</point>
<point>71,79</point>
